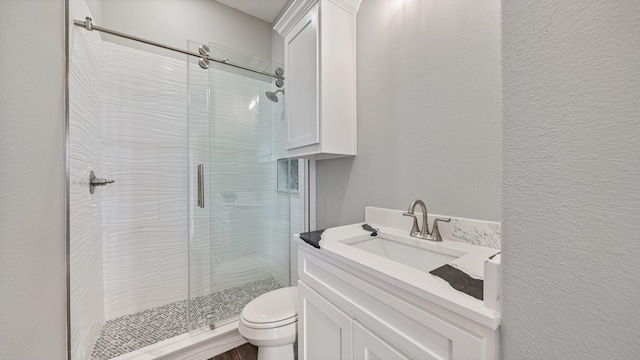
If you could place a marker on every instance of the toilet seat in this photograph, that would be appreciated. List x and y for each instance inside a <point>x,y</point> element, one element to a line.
<point>269,325</point>
<point>271,310</point>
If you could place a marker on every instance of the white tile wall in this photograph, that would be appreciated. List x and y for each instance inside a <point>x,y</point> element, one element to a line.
<point>85,129</point>
<point>145,211</point>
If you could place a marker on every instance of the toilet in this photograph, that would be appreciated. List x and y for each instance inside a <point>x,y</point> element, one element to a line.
<point>270,322</point>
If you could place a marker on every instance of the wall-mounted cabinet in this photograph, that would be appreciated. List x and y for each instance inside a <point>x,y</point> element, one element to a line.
<point>320,72</point>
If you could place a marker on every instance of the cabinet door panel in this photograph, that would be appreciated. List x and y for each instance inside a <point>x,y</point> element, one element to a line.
<point>367,346</point>
<point>324,331</point>
<point>301,102</point>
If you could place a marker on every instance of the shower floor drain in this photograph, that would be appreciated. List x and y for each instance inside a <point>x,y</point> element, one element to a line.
<point>135,331</point>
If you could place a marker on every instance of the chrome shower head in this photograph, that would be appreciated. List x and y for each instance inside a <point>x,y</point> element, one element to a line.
<point>273,96</point>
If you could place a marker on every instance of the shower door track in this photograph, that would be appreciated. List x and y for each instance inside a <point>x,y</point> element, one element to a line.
<point>88,24</point>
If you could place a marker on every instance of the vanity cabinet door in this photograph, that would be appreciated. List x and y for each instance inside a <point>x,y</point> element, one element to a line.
<point>367,346</point>
<point>324,332</point>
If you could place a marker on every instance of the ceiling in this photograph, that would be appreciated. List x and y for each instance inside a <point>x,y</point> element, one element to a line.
<point>266,10</point>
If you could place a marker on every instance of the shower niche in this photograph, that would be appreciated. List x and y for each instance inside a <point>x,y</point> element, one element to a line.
<point>288,175</point>
<point>149,266</point>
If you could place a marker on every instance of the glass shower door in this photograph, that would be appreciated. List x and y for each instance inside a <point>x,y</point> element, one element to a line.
<point>239,241</point>
<point>199,276</point>
<point>247,257</point>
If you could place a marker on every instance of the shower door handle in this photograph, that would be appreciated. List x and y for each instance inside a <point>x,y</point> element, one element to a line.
<point>95,181</point>
<point>200,185</point>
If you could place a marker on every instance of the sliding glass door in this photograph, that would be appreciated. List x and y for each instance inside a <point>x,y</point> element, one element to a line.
<point>239,238</point>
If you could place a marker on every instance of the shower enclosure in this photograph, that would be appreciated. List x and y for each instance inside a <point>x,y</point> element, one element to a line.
<point>198,219</point>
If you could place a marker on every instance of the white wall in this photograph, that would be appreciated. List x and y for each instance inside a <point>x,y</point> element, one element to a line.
<point>571,85</point>
<point>428,79</point>
<point>95,9</point>
<point>175,22</point>
<point>32,235</point>
<point>277,48</point>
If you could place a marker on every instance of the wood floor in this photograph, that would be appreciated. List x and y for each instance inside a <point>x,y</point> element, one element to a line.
<point>242,352</point>
<point>246,352</point>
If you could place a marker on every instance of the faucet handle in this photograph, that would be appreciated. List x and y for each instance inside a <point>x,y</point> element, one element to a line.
<point>415,230</point>
<point>436,230</point>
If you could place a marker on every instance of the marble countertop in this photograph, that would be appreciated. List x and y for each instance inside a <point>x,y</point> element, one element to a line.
<point>419,282</point>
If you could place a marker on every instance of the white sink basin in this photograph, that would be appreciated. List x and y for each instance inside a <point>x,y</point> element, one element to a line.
<point>416,253</point>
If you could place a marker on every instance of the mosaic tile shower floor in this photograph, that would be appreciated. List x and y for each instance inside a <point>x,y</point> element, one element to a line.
<point>135,331</point>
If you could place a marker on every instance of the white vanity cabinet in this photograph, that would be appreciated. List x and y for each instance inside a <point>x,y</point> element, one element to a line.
<point>347,312</point>
<point>327,330</point>
<point>328,333</point>
<point>367,346</point>
<point>320,78</point>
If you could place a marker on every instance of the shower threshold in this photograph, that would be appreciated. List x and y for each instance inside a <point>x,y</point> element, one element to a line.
<point>133,332</point>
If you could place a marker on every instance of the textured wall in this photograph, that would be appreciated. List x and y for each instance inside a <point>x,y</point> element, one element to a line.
<point>32,235</point>
<point>85,138</point>
<point>428,113</point>
<point>571,85</point>
<point>145,152</point>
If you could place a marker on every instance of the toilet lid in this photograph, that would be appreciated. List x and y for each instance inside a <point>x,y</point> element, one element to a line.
<point>272,307</point>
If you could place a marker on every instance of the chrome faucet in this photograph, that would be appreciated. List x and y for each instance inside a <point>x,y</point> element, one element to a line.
<point>424,233</point>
